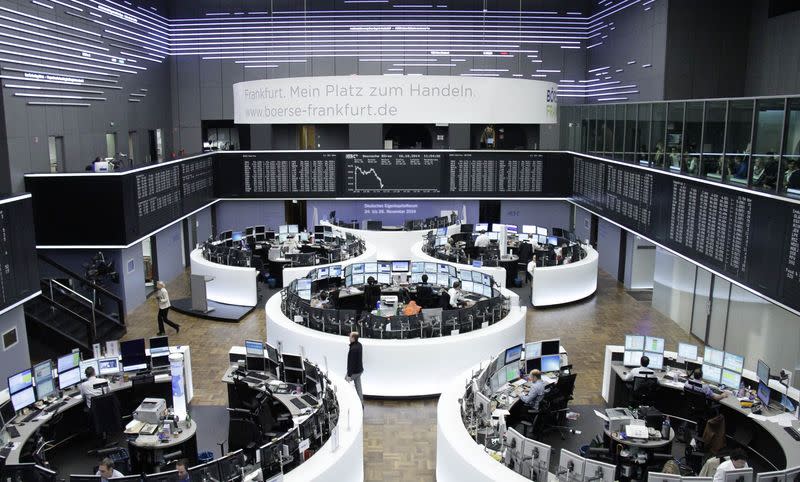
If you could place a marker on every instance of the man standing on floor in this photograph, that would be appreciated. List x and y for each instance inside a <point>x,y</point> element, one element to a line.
<point>163,308</point>
<point>355,367</point>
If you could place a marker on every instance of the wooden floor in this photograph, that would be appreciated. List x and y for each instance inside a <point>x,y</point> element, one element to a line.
<point>400,435</point>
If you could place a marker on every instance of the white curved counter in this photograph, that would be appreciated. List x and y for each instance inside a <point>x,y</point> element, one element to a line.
<point>458,457</point>
<point>346,463</point>
<point>497,272</point>
<point>232,285</point>
<point>390,244</point>
<point>291,274</point>
<point>565,283</point>
<point>398,368</point>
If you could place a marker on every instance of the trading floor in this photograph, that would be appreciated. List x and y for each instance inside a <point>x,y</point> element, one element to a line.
<point>400,435</point>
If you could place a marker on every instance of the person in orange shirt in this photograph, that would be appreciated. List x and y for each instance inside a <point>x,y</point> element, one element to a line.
<point>412,308</point>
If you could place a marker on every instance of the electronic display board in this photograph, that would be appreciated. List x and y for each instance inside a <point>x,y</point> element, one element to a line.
<point>276,174</point>
<point>19,275</point>
<point>392,173</point>
<point>508,174</point>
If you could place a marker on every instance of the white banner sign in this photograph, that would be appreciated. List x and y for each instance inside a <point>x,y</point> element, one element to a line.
<point>379,99</point>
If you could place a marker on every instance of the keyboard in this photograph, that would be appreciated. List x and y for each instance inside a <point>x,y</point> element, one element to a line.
<point>309,399</point>
<point>12,431</point>
<point>793,432</point>
<point>258,375</point>
<point>253,381</point>
<point>55,406</point>
<point>31,416</point>
<point>298,403</point>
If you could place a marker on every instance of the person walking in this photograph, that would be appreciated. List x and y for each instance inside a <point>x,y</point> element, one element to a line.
<point>163,308</point>
<point>355,367</point>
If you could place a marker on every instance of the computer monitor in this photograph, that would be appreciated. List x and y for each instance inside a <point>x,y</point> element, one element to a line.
<point>763,393</point>
<point>793,474</point>
<point>731,379</point>
<point>384,266</point>
<point>400,266</point>
<point>20,381</point>
<point>662,477</point>
<point>468,286</point>
<point>551,363</point>
<point>206,471</point>
<point>497,227</point>
<point>570,465</point>
<point>169,476</point>
<point>322,273</point>
<point>23,398</point>
<point>254,348</point>
<point>541,231</point>
<point>512,372</point>
<point>283,229</point>
<point>108,365</point>
<point>776,476</point>
<point>335,271</point>
<point>133,355</point>
<point>7,412</point>
<point>293,229</point>
<point>787,403</point>
<point>739,475</point>
<point>69,378</point>
<point>511,228</point>
<point>713,356</point>
<point>358,268</point>
<point>159,344</point>
<point>385,278</point>
<point>712,373</point>
<point>481,227</point>
<point>632,358</point>
<point>513,354</point>
<point>733,362</point>
<point>552,240</point>
<point>230,466</point>
<point>533,350</point>
<point>417,267</point>
<point>303,236</point>
<point>528,229</point>
<point>293,361</point>
<point>653,344</point>
<point>236,236</point>
<point>594,471</point>
<point>493,236</point>
<point>69,361</point>
<point>656,360</point>
<point>43,377</point>
<point>550,347</point>
<point>634,342</point>
<point>536,458</point>
<point>431,268</point>
<point>358,279</point>
<point>687,351</point>
<point>762,371</point>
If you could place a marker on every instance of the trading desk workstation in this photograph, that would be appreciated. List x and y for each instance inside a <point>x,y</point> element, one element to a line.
<point>760,412</point>
<point>404,350</point>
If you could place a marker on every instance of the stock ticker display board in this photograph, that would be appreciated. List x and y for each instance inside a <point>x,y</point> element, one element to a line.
<point>19,276</point>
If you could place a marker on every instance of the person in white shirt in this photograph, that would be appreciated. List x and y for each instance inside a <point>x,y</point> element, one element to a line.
<point>321,301</point>
<point>163,309</point>
<point>482,241</point>
<point>640,371</point>
<point>107,471</point>
<point>456,298</point>
<point>290,246</point>
<point>87,387</point>
<point>738,460</point>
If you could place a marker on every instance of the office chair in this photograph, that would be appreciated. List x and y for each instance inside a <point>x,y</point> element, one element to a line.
<point>431,322</point>
<point>525,256</point>
<point>555,405</point>
<point>247,398</point>
<point>644,390</point>
<point>700,408</point>
<point>106,419</point>
<point>450,321</point>
<point>444,301</point>
<point>243,432</point>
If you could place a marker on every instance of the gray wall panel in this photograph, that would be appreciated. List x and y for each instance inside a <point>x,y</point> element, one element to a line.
<point>16,358</point>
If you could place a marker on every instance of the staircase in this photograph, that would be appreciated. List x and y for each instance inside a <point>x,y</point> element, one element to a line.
<point>93,315</point>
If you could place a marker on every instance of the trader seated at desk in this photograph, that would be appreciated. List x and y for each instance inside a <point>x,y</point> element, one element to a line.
<point>372,293</point>
<point>457,299</point>
<point>532,398</point>
<point>482,241</point>
<point>107,471</point>
<point>640,371</point>
<point>290,246</point>
<point>738,460</point>
<point>87,387</point>
<point>321,301</point>
<point>695,384</point>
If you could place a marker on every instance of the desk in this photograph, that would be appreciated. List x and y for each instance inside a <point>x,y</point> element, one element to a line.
<point>296,272</point>
<point>147,451</point>
<point>639,443</point>
<point>232,285</point>
<point>769,440</point>
<point>399,368</point>
<point>390,244</point>
<point>565,283</point>
<point>499,273</point>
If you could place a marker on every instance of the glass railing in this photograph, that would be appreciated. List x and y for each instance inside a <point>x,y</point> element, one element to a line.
<point>751,142</point>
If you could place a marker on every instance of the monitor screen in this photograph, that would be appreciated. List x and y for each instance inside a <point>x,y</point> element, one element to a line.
<point>552,240</point>
<point>358,268</point>
<point>237,236</point>
<point>634,342</point>
<point>358,279</point>
<point>207,471</point>
<point>385,278</point>
<point>43,376</point>
<point>69,378</point>
<point>787,403</point>
<point>303,284</point>
<point>551,363</point>
<point>656,360</point>
<point>304,294</point>
<point>292,361</point>
<point>159,344</point>
<point>541,239</point>
<point>69,361</point>
<point>528,229</point>
<point>764,393</point>
<point>20,381</point>
<point>430,268</point>
<point>254,348</point>
<point>731,379</point>
<point>133,355</point>
<point>440,241</point>
<point>511,228</point>
<point>541,231</point>
<point>370,268</point>
<point>444,269</point>
<point>335,271</point>
<point>487,291</point>
<point>441,232</point>
<point>512,372</point>
<point>523,237</point>
<point>322,273</point>
<point>551,347</point>
<point>466,275</point>
<point>293,229</point>
<point>7,412</point>
<point>533,350</point>
<point>513,354</point>
<point>497,227</point>
<point>493,236</point>
<point>416,277</point>
<point>632,358</point>
<point>762,371</point>
<point>108,366</point>
<point>713,357</point>
<point>399,266</point>
<point>468,286</point>
<point>653,344</point>
<point>712,373</point>
<point>417,267</point>
<point>384,266</point>
<point>283,229</point>
<point>733,362</point>
<point>485,279</point>
<point>481,227</point>
<point>687,351</point>
<point>23,398</point>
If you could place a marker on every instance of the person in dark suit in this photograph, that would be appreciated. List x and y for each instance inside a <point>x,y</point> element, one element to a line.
<point>372,293</point>
<point>355,365</point>
<point>424,292</point>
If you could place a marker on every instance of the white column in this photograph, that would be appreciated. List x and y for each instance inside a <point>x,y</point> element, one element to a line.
<point>178,385</point>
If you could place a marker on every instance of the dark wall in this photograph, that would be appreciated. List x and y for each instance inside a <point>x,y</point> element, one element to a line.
<point>773,63</point>
<point>706,46</point>
<point>17,357</point>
